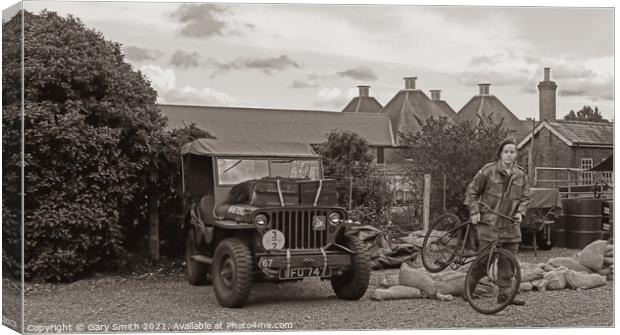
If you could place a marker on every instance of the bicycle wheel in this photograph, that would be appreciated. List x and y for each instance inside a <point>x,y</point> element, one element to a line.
<point>442,242</point>
<point>481,287</point>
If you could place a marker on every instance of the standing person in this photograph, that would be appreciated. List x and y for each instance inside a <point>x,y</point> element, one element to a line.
<point>504,187</point>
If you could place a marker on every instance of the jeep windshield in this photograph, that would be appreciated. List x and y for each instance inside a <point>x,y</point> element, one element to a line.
<point>234,171</point>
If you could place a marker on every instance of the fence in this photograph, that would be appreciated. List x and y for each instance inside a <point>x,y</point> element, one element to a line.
<point>573,182</point>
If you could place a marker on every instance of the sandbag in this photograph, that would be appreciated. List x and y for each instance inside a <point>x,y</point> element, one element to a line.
<point>609,249</point>
<point>527,286</point>
<point>556,280</point>
<point>532,274</point>
<point>610,277</point>
<point>539,285</point>
<point>592,255</point>
<point>579,280</point>
<point>605,271</point>
<point>444,297</point>
<point>389,281</point>
<point>411,277</point>
<point>608,261</point>
<point>452,285</point>
<point>570,263</point>
<point>396,292</point>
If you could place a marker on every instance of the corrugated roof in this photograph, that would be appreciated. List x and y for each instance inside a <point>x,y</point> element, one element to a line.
<point>445,107</point>
<point>278,125</point>
<point>363,105</point>
<point>213,147</point>
<point>409,109</point>
<point>480,106</point>
<point>580,132</point>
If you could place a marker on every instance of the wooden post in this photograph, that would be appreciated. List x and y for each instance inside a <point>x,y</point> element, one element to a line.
<point>444,193</point>
<point>153,223</point>
<point>427,201</point>
<point>569,182</point>
<point>350,192</point>
<point>530,160</point>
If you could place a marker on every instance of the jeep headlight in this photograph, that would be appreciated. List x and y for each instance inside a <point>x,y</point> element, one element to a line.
<point>335,218</point>
<point>261,220</point>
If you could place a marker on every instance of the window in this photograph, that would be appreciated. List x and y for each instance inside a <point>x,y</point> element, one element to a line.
<point>608,177</point>
<point>234,171</point>
<point>586,177</point>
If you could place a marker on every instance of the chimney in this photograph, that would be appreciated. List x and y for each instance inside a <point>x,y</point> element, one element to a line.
<point>546,97</point>
<point>364,91</point>
<point>410,83</point>
<point>484,89</point>
<point>436,95</point>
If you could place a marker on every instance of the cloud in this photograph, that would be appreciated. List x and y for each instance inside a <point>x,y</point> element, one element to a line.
<point>472,78</point>
<point>580,79</point>
<point>185,59</point>
<point>334,97</point>
<point>301,83</point>
<point>359,73</point>
<point>139,54</point>
<point>164,82</point>
<point>208,20</point>
<point>267,65</point>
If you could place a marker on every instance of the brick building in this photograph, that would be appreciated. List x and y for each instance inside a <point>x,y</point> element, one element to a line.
<point>566,144</point>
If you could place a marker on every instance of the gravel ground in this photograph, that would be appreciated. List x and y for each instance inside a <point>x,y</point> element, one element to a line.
<point>166,301</point>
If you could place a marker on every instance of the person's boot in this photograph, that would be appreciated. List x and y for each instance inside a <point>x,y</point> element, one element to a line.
<point>517,301</point>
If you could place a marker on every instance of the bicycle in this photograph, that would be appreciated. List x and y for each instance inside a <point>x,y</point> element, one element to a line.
<point>448,242</point>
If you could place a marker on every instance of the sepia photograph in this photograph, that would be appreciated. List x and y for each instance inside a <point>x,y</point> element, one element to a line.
<point>173,166</point>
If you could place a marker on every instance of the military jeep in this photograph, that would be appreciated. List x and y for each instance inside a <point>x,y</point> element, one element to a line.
<point>258,211</point>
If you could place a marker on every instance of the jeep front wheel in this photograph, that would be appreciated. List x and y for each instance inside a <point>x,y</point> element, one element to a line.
<point>231,272</point>
<point>352,284</point>
<point>196,272</point>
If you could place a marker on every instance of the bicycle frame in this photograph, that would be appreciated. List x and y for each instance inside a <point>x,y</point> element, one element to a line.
<point>461,258</point>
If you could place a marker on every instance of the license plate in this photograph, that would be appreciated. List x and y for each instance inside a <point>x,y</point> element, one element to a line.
<point>305,273</point>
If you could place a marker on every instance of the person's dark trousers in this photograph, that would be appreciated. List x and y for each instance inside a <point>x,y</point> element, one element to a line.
<point>504,270</point>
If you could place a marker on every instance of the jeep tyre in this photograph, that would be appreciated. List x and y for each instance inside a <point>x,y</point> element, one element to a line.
<point>196,272</point>
<point>352,284</point>
<point>232,272</point>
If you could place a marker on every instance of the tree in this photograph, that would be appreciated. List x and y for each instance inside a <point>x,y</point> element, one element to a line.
<point>90,129</point>
<point>457,151</point>
<point>347,155</point>
<point>586,114</point>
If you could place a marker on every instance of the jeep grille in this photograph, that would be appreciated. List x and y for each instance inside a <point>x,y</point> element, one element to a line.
<point>296,225</point>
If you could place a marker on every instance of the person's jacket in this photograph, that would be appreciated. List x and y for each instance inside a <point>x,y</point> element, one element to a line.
<point>506,194</point>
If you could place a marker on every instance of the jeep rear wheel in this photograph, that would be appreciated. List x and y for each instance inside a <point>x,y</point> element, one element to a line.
<point>196,272</point>
<point>232,272</point>
<point>352,284</point>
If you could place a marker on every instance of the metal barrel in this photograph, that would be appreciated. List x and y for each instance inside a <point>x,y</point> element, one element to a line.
<point>584,221</point>
<point>558,232</point>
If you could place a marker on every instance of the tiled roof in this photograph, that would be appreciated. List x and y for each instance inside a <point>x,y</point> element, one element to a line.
<point>575,133</point>
<point>409,109</point>
<point>580,132</point>
<point>363,105</point>
<point>278,125</point>
<point>445,107</point>
<point>480,106</point>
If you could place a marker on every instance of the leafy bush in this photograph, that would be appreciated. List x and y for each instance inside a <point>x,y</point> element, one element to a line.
<point>455,150</point>
<point>346,155</point>
<point>90,129</point>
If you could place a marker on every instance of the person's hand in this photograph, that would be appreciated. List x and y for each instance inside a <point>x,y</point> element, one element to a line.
<point>518,218</point>
<point>475,218</point>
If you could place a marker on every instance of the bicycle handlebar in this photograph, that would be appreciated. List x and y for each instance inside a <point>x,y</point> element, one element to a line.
<point>499,214</point>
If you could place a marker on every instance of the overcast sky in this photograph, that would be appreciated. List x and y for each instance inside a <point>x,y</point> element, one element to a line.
<point>314,56</point>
